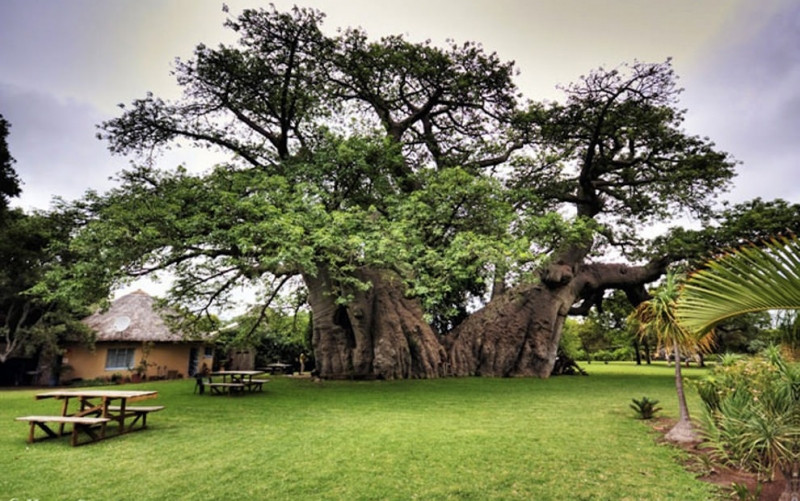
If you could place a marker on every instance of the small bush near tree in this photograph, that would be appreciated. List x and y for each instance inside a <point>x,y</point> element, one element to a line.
<point>624,354</point>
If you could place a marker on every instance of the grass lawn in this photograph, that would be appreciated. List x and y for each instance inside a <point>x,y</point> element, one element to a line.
<point>461,439</point>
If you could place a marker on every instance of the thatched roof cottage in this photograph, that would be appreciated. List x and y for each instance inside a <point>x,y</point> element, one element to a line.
<point>133,340</point>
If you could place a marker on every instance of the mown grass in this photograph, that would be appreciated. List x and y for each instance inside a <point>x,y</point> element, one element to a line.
<point>461,439</point>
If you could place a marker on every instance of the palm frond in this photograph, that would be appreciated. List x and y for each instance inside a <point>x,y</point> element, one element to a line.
<point>750,279</point>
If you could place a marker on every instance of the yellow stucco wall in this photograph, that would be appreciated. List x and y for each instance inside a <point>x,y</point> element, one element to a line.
<point>163,359</point>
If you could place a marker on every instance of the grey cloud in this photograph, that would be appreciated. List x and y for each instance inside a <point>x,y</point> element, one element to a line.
<point>747,98</point>
<point>53,143</point>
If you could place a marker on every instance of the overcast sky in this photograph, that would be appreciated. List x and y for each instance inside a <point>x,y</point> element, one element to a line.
<point>66,64</point>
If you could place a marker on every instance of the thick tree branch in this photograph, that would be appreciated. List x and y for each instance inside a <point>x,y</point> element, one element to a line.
<point>595,278</point>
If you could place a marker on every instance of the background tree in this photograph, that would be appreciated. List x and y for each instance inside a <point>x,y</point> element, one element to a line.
<point>29,247</point>
<point>732,226</point>
<point>748,333</point>
<point>612,316</point>
<point>276,335</point>
<point>278,331</point>
<point>787,332</point>
<point>29,325</point>
<point>9,181</point>
<point>582,339</point>
<point>604,333</point>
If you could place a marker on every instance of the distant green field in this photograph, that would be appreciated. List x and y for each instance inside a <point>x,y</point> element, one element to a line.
<point>566,438</point>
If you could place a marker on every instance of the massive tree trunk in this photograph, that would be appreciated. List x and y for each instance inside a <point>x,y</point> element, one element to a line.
<point>518,332</point>
<point>379,334</point>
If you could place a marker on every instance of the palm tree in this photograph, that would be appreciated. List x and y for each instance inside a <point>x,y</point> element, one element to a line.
<point>657,317</point>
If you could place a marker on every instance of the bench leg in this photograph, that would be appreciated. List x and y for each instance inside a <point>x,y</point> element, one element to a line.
<point>43,426</point>
<point>143,416</point>
<point>89,431</point>
<point>64,409</point>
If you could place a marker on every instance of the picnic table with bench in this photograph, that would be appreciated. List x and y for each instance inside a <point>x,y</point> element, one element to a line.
<point>95,411</point>
<point>233,382</point>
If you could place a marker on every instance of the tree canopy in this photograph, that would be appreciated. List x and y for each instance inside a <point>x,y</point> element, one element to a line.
<point>30,246</point>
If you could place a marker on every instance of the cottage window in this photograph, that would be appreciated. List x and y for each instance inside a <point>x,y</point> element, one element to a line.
<point>119,359</point>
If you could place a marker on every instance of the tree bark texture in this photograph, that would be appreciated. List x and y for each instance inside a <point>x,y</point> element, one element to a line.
<point>682,431</point>
<point>517,333</point>
<point>379,334</point>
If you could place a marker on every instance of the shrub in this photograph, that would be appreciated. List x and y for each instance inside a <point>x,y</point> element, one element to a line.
<point>570,344</point>
<point>624,354</point>
<point>603,355</point>
<point>752,413</point>
<point>645,408</point>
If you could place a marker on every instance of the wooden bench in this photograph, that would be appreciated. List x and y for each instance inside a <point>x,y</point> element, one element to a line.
<point>221,388</point>
<point>256,384</point>
<point>140,411</point>
<point>79,424</point>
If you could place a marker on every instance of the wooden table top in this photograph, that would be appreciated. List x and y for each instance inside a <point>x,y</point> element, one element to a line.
<point>127,394</point>
<point>237,373</point>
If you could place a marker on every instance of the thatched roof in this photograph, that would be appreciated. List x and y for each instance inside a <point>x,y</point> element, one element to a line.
<point>133,317</point>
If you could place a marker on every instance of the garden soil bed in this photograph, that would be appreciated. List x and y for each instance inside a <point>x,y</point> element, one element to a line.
<point>699,461</point>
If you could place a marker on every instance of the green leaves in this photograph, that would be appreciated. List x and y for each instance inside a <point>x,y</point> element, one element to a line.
<point>9,180</point>
<point>752,416</point>
<point>616,151</point>
<point>751,278</point>
<point>31,319</point>
<point>455,230</point>
<point>347,152</point>
<point>645,408</point>
<point>658,317</point>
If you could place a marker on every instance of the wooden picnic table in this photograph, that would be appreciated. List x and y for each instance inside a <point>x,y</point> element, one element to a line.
<point>236,381</point>
<point>95,409</point>
<point>276,367</point>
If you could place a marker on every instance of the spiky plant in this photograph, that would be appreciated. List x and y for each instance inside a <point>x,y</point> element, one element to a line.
<point>645,408</point>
